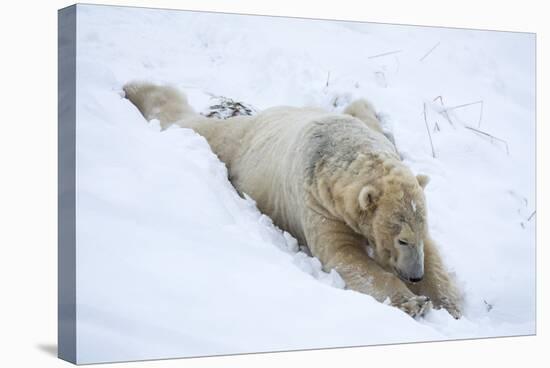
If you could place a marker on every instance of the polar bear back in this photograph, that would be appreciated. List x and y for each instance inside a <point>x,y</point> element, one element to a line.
<point>269,165</point>
<point>274,155</point>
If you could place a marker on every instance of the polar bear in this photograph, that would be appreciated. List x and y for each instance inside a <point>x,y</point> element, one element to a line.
<point>336,183</point>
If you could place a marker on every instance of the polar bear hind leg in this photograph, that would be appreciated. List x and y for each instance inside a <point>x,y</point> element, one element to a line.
<point>363,110</point>
<point>163,103</point>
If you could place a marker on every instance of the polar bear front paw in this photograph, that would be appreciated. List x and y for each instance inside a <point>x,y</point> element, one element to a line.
<point>451,307</point>
<point>414,306</point>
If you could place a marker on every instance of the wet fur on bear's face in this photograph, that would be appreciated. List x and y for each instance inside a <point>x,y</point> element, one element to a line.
<point>395,222</point>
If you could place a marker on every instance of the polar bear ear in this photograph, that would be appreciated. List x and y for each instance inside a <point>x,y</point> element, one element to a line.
<point>423,180</point>
<point>367,197</point>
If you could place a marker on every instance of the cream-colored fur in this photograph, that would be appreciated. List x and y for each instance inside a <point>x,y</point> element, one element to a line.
<point>336,183</point>
<point>364,111</point>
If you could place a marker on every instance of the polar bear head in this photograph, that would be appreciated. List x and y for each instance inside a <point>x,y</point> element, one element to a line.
<point>394,222</point>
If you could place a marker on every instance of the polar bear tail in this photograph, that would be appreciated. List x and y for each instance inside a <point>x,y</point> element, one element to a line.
<point>164,103</point>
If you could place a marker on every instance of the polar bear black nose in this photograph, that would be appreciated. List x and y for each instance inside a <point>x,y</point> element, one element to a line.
<point>415,279</point>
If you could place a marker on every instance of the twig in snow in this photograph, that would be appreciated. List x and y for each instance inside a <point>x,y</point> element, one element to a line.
<point>440,98</point>
<point>530,217</point>
<point>381,79</point>
<point>428,129</point>
<point>464,105</point>
<point>385,54</point>
<point>444,111</point>
<point>470,104</point>
<point>335,102</point>
<point>328,79</point>
<point>520,198</point>
<point>490,136</point>
<point>480,115</point>
<point>488,306</point>
<point>430,51</point>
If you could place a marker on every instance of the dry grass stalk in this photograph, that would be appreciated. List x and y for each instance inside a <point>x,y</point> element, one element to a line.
<point>492,137</point>
<point>428,130</point>
<point>429,52</point>
<point>444,112</point>
<point>385,54</point>
<point>470,104</point>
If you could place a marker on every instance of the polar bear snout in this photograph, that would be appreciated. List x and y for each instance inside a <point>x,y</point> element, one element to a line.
<point>410,263</point>
<point>412,278</point>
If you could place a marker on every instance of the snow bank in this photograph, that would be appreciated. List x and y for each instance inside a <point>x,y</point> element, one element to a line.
<point>172,262</point>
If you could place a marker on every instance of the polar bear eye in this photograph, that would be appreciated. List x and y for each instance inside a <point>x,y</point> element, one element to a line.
<point>403,242</point>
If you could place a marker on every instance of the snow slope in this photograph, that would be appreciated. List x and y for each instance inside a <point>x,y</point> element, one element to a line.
<point>171,262</point>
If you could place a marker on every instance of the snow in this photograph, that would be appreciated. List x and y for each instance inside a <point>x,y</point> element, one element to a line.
<point>172,262</point>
